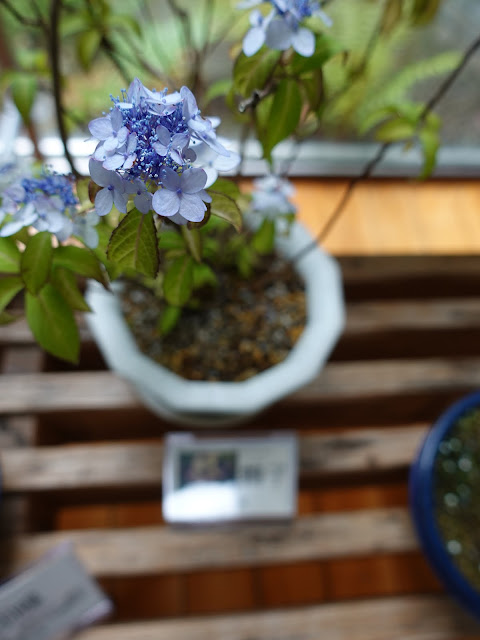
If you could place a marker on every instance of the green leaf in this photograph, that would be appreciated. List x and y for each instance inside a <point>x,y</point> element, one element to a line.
<point>217,89</point>
<point>424,10</point>
<point>133,244</point>
<point>430,141</point>
<point>246,260</point>
<point>326,48</point>
<point>171,240</point>
<point>9,256</point>
<point>203,276</point>
<point>81,261</point>
<point>66,283</point>
<point>7,318</point>
<point>52,323</point>
<point>227,187</point>
<point>74,23</point>
<point>178,281</point>
<point>36,261</point>
<point>250,73</point>
<point>284,115</point>
<point>24,89</point>
<point>193,240</point>
<point>124,22</point>
<point>225,208</point>
<point>395,130</point>
<point>264,238</point>
<point>9,287</point>
<point>169,319</point>
<point>88,44</point>
<point>392,14</point>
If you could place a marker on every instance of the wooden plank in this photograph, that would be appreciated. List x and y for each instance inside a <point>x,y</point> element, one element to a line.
<point>362,317</point>
<point>96,390</point>
<point>110,465</point>
<point>158,549</point>
<point>369,317</point>
<point>400,618</point>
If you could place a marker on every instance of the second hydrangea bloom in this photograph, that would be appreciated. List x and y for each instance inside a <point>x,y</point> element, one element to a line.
<point>282,27</point>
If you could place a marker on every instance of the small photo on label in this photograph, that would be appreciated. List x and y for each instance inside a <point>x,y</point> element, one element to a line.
<point>207,480</point>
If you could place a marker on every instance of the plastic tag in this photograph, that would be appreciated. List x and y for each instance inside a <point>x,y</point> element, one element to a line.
<point>50,599</point>
<point>229,478</point>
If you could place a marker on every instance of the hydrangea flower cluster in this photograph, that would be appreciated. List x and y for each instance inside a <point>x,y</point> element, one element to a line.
<point>271,197</point>
<point>152,145</point>
<point>49,204</point>
<point>281,28</point>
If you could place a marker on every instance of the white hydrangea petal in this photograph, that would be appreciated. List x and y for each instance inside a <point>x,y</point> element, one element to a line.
<point>103,202</point>
<point>192,207</point>
<point>100,128</point>
<point>165,202</point>
<point>303,41</point>
<point>278,35</point>
<point>253,41</point>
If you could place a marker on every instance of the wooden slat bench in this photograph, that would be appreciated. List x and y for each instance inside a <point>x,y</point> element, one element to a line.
<point>81,460</point>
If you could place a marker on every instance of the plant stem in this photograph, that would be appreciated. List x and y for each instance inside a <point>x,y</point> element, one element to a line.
<point>371,165</point>
<point>53,40</point>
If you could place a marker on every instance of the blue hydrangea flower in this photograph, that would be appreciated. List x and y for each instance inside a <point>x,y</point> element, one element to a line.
<point>45,203</point>
<point>146,149</point>
<point>182,197</point>
<point>282,28</point>
<point>271,196</point>
<point>213,163</point>
<point>113,192</point>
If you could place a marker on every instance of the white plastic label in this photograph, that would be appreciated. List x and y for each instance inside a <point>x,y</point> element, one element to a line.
<point>50,599</point>
<point>229,478</point>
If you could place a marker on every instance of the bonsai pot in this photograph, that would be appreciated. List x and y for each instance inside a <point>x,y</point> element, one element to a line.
<point>211,404</point>
<point>443,491</point>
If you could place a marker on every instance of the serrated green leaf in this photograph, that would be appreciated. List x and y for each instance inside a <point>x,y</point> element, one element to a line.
<point>169,319</point>
<point>193,241</point>
<point>88,44</point>
<point>24,89</point>
<point>225,208</point>
<point>9,287</point>
<point>133,244</point>
<point>250,73</point>
<point>284,116</point>
<point>81,261</point>
<point>170,240</point>
<point>9,256</point>
<point>36,261</point>
<point>264,238</point>
<point>52,323</point>
<point>66,283</point>
<point>178,281</point>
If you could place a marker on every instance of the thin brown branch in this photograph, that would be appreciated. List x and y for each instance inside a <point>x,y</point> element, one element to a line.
<point>372,164</point>
<point>54,50</point>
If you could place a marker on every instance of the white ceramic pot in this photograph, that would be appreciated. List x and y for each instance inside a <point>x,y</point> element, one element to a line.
<point>213,404</point>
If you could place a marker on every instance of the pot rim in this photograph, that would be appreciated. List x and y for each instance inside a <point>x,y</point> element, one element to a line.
<point>420,489</point>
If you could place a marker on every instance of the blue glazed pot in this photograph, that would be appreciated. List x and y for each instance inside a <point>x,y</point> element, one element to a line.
<point>421,497</point>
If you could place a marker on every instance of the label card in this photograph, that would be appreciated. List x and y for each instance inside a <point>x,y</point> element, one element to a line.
<point>252,477</point>
<point>50,599</point>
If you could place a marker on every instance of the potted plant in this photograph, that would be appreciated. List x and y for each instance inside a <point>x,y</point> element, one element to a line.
<point>153,210</point>
<point>445,502</point>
